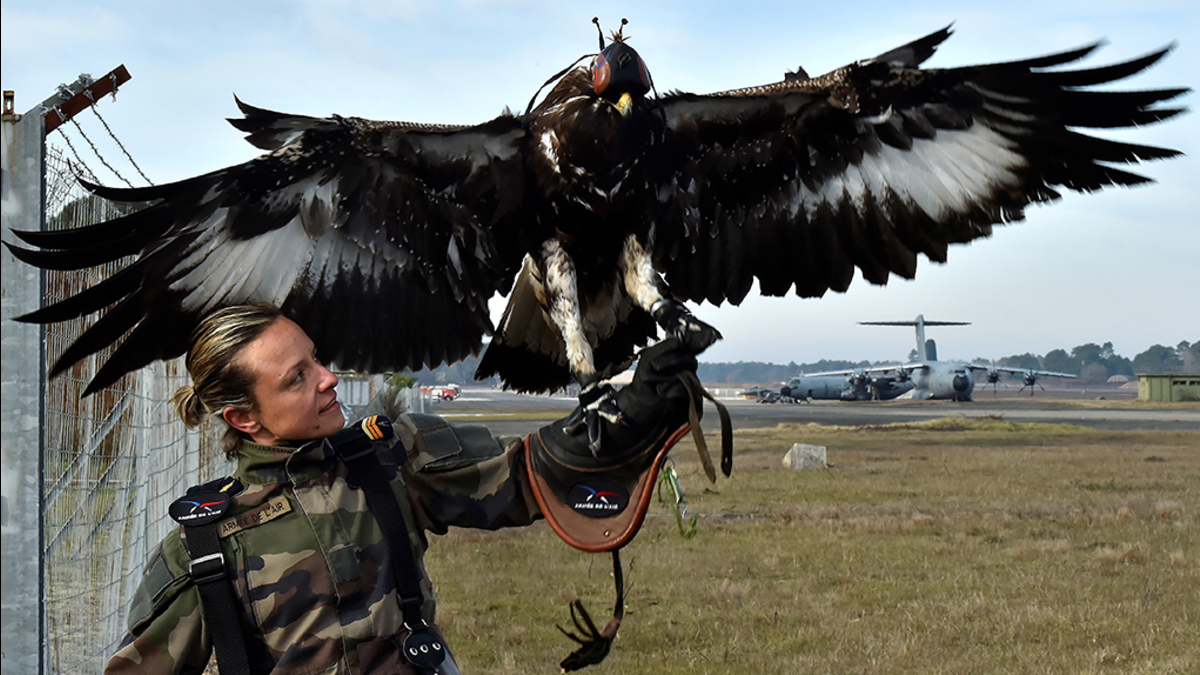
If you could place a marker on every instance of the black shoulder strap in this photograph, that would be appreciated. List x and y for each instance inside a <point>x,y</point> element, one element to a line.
<point>355,446</point>
<point>198,512</point>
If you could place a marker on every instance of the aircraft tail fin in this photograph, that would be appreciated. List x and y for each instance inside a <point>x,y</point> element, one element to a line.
<point>926,349</point>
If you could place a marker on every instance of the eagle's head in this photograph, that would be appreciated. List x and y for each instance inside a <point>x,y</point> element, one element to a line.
<point>619,74</point>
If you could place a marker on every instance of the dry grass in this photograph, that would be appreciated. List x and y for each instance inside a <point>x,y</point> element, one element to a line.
<point>946,547</point>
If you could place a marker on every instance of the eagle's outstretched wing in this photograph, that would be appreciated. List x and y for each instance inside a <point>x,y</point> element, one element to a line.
<point>796,184</point>
<point>385,240</point>
<point>375,237</point>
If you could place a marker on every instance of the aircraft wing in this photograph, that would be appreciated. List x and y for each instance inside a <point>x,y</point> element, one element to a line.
<point>864,371</point>
<point>1024,371</point>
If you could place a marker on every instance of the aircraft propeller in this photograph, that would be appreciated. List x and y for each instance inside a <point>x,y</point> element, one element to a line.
<point>993,378</point>
<point>858,378</point>
<point>861,381</point>
<point>1031,379</point>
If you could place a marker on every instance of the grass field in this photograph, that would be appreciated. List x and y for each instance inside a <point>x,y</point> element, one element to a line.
<point>949,547</point>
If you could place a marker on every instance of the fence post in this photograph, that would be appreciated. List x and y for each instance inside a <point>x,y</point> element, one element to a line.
<point>22,624</point>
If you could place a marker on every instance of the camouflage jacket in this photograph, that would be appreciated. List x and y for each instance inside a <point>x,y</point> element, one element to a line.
<point>308,561</point>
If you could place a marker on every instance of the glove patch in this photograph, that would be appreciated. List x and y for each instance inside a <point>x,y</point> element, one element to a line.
<point>597,498</point>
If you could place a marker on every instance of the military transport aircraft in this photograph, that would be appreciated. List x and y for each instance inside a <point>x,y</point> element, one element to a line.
<point>926,378</point>
<point>848,385</point>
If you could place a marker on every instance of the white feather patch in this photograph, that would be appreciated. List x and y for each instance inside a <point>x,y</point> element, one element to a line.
<point>548,142</point>
<point>640,276</point>
<point>564,307</point>
<point>942,176</point>
<point>260,269</point>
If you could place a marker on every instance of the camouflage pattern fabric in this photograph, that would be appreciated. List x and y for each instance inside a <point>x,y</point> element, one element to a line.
<point>308,560</point>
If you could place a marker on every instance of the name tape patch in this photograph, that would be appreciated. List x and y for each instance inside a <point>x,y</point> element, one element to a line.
<point>254,517</point>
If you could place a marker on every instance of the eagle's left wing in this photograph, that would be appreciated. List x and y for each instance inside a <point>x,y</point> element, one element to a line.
<point>797,183</point>
<point>376,237</point>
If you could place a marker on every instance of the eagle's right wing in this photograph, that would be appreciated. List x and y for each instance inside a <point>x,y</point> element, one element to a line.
<point>375,237</point>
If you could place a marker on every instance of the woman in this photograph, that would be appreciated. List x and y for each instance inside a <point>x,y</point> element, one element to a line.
<point>305,556</point>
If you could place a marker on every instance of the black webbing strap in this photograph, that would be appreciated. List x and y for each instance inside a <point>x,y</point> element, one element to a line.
<point>198,512</point>
<point>354,445</point>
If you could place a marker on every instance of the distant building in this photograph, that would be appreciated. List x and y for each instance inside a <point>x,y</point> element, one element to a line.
<point>1168,387</point>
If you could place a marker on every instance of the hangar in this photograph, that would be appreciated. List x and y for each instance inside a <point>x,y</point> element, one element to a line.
<point>1168,387</point>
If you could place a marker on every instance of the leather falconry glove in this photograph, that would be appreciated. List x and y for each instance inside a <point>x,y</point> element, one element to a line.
<point>597,502</point>
<point>585,496</point>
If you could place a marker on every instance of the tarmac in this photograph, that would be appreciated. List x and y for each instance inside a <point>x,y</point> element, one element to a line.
<point>1107,408</point>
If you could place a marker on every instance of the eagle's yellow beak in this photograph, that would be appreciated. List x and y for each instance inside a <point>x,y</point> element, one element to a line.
<point>623,104</point>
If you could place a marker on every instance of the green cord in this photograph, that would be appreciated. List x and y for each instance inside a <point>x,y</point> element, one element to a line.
<point>679,507</point>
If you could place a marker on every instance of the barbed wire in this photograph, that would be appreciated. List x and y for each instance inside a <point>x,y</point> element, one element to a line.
<point>96,112</point>
<point>65,92</point>
<point>96,151</point>
<point>82,165</point>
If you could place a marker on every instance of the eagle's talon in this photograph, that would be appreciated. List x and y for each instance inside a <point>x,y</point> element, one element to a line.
<point>607,408</point>
<point>693,334</point>
<point>696,336</point>
<point>572,422</point>
<point>597,403</point>
<point>593,433</point>
<point>590,392</point>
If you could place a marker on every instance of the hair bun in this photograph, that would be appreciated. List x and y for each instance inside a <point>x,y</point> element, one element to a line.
<point>187,402</point>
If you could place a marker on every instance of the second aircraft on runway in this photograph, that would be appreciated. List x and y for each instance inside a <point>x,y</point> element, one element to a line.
<point>925,378</point>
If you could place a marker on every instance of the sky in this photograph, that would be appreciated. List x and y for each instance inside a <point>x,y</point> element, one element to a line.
<point>1119,266</point>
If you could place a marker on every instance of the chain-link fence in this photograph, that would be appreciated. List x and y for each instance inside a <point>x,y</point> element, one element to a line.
<point>115,460</point>
<point>112,462</point>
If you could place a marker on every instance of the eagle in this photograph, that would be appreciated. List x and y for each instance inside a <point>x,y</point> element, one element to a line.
<point>600,212</point>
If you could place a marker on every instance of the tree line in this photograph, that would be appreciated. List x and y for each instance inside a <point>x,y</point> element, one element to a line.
<point>1099,362</point>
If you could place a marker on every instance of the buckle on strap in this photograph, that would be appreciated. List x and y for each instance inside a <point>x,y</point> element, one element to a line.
<point>207,568</point>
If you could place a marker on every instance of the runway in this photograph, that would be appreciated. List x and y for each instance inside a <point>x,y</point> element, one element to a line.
<point>1111,410</point>
<point>1043,409</point>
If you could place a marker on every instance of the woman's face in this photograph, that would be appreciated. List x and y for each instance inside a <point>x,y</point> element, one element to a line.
<point>294,394</point>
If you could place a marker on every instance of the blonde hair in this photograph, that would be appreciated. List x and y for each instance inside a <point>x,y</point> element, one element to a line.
<point>218,380</point>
